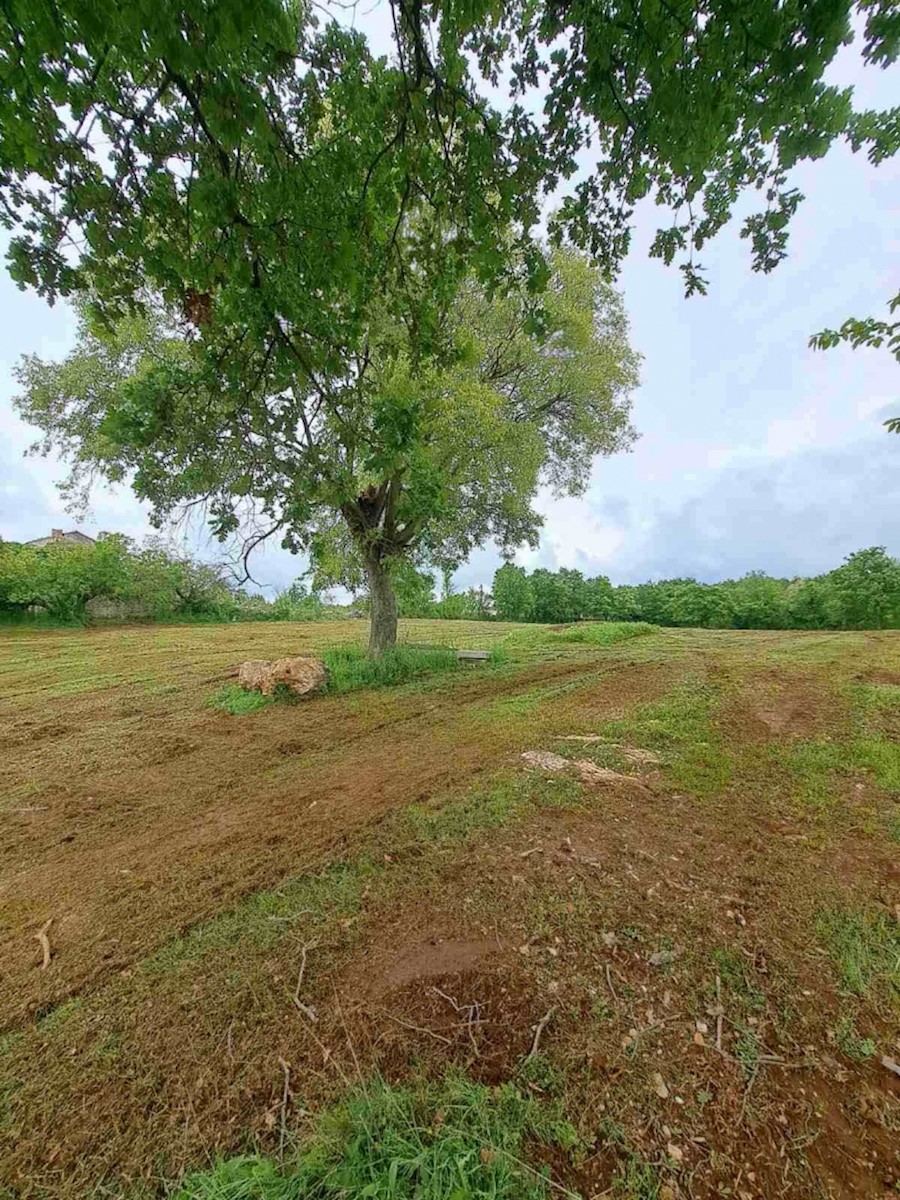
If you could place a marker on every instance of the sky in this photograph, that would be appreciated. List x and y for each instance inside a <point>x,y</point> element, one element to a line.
<point>755,452</point>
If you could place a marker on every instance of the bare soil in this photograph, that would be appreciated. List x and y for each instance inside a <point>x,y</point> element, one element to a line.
<point>638,918</point>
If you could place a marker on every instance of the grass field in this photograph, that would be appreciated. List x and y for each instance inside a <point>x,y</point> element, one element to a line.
<point>358,946</point>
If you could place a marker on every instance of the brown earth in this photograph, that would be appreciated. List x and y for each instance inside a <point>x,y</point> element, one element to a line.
<point>139,820</point>
<point>450,951</point>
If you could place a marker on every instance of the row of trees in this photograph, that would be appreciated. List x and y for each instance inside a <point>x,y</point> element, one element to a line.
<point>155,582</point>
<point>310,276</point>
<point>862,593</point>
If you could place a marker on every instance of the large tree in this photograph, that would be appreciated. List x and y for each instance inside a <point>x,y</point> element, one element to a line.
<point>316,212</point>
<point>389,456</point>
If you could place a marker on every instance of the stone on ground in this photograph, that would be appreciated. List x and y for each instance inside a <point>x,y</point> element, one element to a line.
<point>300,675</point>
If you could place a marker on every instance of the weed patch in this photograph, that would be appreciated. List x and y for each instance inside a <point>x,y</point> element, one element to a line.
<point>603,633</point>
<point>680,726</point>
<point>851,1043</point>
<point>819,765</point>
<point>455,1140</point>
<point>505,799</point>
<point>264,918</point>
<point>350,668</point>
<point>734,973</point>
<point>865,949</point>
<point>231,698</point>
<point>636,1179</point>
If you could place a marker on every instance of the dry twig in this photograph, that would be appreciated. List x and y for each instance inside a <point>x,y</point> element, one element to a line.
<point>284,1099</point>
<point>538,1030</point>
<point>306,1009</point>
<point>439,1037</point>
<point>472,1013</point>
<point>41,936</point>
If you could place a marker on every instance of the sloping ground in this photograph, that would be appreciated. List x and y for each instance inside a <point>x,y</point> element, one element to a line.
<point>701,946</point>
<point>132,815</point>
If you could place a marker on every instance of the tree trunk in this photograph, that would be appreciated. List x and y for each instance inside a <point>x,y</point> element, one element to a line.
<point>383,630</point>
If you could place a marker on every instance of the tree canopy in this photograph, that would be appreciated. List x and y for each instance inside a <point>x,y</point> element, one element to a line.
<point>221,149</point>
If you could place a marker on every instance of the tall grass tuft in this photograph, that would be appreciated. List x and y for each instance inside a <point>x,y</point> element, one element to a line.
<point>604,633</point>
<point>457,1139</point>
<point>349,667</point>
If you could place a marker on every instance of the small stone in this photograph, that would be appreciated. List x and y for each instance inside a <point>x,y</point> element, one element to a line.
<point>662,958</point>
<point>675,1152</point>
<point>659,1086</point>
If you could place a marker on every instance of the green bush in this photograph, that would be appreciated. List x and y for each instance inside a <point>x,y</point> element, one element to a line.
<point>862,593</point>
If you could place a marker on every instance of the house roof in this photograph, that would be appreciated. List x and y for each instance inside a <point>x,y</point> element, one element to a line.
<point>74,536</point>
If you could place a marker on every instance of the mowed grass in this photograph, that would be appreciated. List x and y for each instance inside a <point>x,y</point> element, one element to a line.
<point>499,981</point>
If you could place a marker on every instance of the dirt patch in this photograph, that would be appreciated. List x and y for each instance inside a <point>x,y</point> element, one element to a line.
<point>779,705</point>
<point>880,676</point>
<point>124,859</point>
<point>636,924</point>
<point>791,718</point>
<point>606,919</point>
<point>433,959</point>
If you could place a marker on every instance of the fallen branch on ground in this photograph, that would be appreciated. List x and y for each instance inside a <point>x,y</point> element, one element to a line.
<point>307,1010</point>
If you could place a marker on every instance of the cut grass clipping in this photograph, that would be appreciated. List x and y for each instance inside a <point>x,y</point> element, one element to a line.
<point>455,1140</point>
<point>349,669</point>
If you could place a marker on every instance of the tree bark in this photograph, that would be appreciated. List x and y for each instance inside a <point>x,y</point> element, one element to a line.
<point>383,628</point>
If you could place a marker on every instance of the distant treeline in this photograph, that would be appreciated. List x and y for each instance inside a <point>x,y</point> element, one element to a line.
<point>862,593</point>
<point>114,578</point>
